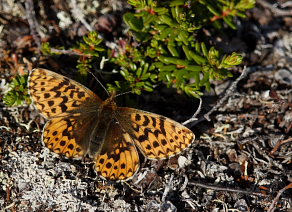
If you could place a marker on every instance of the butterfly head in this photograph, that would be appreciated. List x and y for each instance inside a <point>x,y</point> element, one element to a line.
<point>110,102</point>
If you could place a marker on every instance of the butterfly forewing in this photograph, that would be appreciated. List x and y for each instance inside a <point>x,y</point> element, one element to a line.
<point>156,136</point>
<point>56,95</point>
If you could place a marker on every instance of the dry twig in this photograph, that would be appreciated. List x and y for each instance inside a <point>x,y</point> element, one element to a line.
<point>228,93</point>
<point>77,12</point>
<point>276,11</point>
<point>272,208</point>
<point>33,24</point>
<point>194,117</point>
<point>219,188</point>
<point>279,143</point>
<point>167,189</point>
<point>69,52</point>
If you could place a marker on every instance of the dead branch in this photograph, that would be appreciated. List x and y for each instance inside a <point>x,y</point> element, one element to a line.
<point>276,11</point>
<point>77,12</point>
<point>279,143</point>
<point>228,93</point>
<point>69,52</point>
<point>33,24</point>
<point>219,188</point>
<point>272,208</point>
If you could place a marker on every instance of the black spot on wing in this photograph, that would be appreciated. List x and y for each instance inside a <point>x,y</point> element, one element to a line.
<point>71,146</point>
<point>155,144</point>
<point>153,121</point>
<point>135,127</point>
<point>137,117</point>
<point>108,165</point>
<point>156,133</point>
<point>101,161</point>
<point>143,138</point>
<point>57,94</point>
<point>80,95</point>
<point>47,95</point>
<point>146,132</point>
<point>50,103</point>
<point>161,125</point>
<point>163,142</point>
<point>63,108</point>
<point>146,120</point>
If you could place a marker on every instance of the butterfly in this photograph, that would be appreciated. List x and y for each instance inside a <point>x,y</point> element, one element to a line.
<point>80,123</point>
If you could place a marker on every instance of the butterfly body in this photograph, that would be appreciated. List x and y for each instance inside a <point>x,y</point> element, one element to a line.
<point>80,123</point>
<point>105,116</point>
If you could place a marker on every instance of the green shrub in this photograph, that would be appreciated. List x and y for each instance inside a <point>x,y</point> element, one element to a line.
<point>18,93</point>
<point>168,48</point>
<point>165,48</point>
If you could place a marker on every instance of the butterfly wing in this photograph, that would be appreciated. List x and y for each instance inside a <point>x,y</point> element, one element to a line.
<point>71,108</point>
<point>68,136</point>
<point>56,95</point>
<point>118,158</point>
<point>156,136</point>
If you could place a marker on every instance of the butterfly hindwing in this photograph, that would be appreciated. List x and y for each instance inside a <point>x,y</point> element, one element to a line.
<point>69,136</point>
<point>118,158</point>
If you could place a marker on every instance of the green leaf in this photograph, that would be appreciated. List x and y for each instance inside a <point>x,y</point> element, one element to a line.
<point>133,22</point>
<point>173,51</point>
<point>176,3</point>
<point>173,60</point>
<point>167,20</point>
<point>194,68</point>
<point>197,58</point>
<point>228,20</point>
<point>183,36</point>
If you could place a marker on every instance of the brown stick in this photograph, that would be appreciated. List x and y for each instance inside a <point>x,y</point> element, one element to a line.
<point>69,52</point>
<point>219,188</point>
<point>278,144</point>
<point>271,208</point>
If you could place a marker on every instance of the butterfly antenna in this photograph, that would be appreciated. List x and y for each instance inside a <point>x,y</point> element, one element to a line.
<point>99,83</point>
<point>120,94</point>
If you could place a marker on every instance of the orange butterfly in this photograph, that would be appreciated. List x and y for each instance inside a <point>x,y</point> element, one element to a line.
<point>81,123</point>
